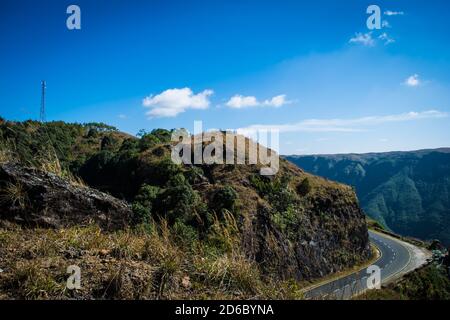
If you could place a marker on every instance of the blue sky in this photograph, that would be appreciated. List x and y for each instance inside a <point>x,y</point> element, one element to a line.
<point>312,70</point>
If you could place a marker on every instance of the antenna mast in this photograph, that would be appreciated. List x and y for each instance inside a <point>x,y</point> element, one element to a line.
<point>42,114</point>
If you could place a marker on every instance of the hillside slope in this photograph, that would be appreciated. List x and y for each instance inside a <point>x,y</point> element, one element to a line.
<point>290,226</point>
<point>408,192</point>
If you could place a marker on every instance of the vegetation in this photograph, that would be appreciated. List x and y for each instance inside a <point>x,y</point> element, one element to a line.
<point>304,187</point>
<point>406,192</point>
<point>206,231</point>
<point>429,283</point>
<point>144,263</point>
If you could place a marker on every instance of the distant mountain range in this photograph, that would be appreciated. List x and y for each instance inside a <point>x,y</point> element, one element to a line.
<point>407,192</point>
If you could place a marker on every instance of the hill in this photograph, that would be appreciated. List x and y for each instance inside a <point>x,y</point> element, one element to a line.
<point>407,192</point>
<point>203,230</point>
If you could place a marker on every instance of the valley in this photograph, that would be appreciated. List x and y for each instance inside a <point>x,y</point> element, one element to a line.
<point>407,192</point>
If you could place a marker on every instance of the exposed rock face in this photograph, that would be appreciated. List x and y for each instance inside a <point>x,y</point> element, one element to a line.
<point>315,247</point>
<point>37,198</point>
<point>326,232</point>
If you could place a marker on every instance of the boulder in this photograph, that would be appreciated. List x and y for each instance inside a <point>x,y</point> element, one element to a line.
<point>35,198</point>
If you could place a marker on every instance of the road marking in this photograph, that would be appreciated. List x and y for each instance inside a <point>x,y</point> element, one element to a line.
<point>342,292</point>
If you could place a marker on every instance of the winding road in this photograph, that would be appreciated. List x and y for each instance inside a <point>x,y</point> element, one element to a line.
<point>396,257</point>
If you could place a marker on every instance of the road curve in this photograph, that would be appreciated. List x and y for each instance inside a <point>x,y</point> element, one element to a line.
<point>394,259</point>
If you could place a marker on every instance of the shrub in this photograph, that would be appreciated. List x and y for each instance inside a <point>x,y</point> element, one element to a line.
<point>162,172</point>
<point>225,198</point>
<point>180,201</point>
<point>92,133</point>
<point>195,175</point>
<point>286,220</point>
<point>162,134</point>
<point>143,202</point>
<point>304,187</point>
<point>108,143</point>
<point>276,191</point>
<point>148,141</point>
<point>185,235</point>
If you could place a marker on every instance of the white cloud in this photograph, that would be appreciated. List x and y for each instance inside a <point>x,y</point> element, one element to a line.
<point>122,116</point>
<point>363,38</point>
<point>239,102</point>
<point>394,13</point>
<point>385,24</point>
<point>277,101</point>
<point>344,125</point>
<point>171,102</point>
<point>413,81</point>
<point>386,38</point>
<point>368,40</point>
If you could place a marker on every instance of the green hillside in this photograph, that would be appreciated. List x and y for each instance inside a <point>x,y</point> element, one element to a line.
<point>408,192</point>
<point>112,200</point>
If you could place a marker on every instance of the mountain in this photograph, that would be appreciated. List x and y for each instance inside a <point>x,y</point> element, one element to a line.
<point>407,192</point>
<point>193,231</point>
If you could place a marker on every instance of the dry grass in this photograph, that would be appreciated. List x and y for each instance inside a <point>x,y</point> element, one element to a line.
<point>14,194</point>
<point>31,282</point>
<point>143,263</point>
<point>230,272</point>
<point>4,156</point>
<point>6,153</point>
<point>49,162</point>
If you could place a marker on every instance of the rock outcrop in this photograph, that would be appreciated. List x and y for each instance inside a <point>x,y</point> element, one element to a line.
<point>321,233</point>
<point>35,198</point>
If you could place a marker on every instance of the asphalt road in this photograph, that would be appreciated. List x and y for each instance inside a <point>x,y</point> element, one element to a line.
<point>394,258</point>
